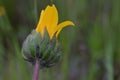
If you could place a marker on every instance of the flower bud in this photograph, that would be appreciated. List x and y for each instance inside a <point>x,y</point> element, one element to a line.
<point>46,50</point>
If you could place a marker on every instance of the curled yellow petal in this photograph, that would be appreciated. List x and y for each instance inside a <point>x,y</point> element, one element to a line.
<point>49,20</point>
<point>62,25</point>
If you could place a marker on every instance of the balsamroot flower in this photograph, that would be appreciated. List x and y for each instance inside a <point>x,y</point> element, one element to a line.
<point>2,10</point>
<point>42,43</point>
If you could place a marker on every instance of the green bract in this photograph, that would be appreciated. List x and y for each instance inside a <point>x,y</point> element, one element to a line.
<point>46,50</point>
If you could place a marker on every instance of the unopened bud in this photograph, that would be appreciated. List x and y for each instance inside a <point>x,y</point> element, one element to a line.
<point>46,50</point>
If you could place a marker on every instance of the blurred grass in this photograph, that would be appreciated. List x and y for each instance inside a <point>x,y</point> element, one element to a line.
<point>91,49</point>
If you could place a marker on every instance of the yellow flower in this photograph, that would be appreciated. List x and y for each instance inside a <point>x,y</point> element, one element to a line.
<point>2,11</point>
<point>49,20</point>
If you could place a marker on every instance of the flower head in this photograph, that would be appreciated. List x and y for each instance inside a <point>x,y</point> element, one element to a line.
<point>42,43</point>
<point>49,20</point>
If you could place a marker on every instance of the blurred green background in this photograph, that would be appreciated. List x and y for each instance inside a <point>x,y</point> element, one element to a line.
<point>91,49</point>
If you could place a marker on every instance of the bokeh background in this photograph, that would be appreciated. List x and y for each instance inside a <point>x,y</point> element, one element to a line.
<point>91,49</point>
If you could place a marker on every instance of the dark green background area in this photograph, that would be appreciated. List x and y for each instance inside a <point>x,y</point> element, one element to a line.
<point>91,49</point>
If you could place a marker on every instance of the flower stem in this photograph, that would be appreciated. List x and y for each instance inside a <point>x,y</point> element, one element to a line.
<point>36,70</point>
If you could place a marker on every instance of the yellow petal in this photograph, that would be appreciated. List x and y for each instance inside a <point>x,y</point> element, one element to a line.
<point>62,25</point>
<point>40,26</point>
<point>50,19</point>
